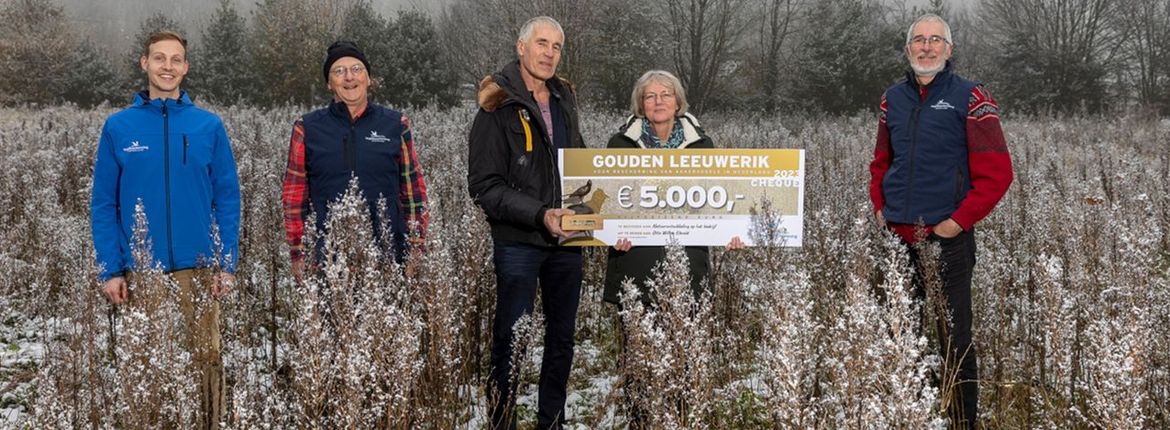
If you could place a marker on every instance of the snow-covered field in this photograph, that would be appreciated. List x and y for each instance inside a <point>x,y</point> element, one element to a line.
<point>1072,298</point>
<point>23,348</point>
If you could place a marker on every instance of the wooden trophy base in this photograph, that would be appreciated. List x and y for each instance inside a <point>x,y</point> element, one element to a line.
<point>582,222</point>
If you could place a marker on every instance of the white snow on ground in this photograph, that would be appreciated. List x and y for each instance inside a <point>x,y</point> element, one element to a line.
<point>11,418</point>
<point>586,392</point>
<point>20,351</point>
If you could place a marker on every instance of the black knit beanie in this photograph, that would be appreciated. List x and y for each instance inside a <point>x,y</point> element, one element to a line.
<point>343,48</point>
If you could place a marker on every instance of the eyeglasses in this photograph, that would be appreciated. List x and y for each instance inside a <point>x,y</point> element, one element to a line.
<point>356,69</point>
<point>932,40</point>
<point>663,96</point>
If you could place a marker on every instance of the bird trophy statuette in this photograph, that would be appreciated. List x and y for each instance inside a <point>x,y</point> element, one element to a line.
<point>587,212</point>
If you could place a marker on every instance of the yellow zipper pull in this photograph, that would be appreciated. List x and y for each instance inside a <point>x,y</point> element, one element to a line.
<point>527,130</point>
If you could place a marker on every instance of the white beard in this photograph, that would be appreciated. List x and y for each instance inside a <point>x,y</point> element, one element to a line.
<point>927,71</point>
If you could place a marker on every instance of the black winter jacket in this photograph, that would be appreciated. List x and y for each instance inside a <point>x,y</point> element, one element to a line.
<point>638,263</point>
<point>512,171</point>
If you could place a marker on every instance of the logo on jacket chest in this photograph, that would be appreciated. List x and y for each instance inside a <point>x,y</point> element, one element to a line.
<point>377,138</point>
<point>942,105</point>
<point>135,146</point>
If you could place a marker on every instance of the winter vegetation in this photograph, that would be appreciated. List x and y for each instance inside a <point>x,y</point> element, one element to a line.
<point>1071,291</point>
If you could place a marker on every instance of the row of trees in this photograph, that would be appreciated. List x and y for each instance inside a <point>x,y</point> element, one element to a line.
<point>273,58</point>
<point>833,56</point>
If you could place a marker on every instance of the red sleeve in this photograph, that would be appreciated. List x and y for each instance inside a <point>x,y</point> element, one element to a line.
<point>412,198</point>
<point>990,163</point>
<point>295,192</point>
<point>881,160</point>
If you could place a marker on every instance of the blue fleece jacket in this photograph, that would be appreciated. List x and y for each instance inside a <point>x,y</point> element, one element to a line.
<point>176,159</point>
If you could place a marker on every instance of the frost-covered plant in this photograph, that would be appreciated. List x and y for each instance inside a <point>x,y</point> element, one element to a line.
<point>356,351</point>
<point>667,362</point>
<point>525,334</point>
<point>152,373</point>
<point>1069,292</point>
<point>442,294</point>
<point>788,351</point>
<point>72,390</point>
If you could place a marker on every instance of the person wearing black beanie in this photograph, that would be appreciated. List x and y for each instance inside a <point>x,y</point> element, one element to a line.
<point>353,138</point>
<point>339,49</point>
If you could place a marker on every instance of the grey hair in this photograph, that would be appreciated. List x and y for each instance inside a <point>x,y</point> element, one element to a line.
<point>934,18</point>
<point>526,29</point>
<point>664,78</point>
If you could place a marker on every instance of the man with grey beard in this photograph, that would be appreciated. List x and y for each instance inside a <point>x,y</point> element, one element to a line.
<point>941,162</point>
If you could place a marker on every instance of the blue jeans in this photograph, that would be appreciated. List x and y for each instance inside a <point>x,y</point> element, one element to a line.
<point>520,269</point>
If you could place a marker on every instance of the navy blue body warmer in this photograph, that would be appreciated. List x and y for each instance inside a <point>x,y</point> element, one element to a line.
<point>369,149</point>
<point>929,173</point>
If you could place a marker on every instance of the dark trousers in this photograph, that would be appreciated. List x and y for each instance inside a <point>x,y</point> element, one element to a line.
<point>955,264</point>
<point>520,270</point>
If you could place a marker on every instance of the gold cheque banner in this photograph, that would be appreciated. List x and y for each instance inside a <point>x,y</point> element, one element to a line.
<point>696,197</point>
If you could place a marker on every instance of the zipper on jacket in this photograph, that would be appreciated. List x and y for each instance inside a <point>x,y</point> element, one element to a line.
<point>913,152</point>
<point>167,183</point>
<point>552,158</point>
<point>350,148</point>
<point>527,130</point>
<point>185,144</point>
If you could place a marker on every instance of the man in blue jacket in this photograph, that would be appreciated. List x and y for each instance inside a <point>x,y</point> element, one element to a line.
<point>173,160</point>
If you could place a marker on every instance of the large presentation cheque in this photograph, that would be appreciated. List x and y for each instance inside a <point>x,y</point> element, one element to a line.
<point>699,197</point>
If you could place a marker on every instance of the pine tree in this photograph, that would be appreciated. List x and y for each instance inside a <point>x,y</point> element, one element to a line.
<point>938,7</point>
<point>288,45</point>
<point>33,32</point>
<point>419,75</point>
<point>225,66</point>
<point>850,55</point>
<point>480,36</point>
<point>1056,55</point>
<point>92,79</point>
<point>778,22</point>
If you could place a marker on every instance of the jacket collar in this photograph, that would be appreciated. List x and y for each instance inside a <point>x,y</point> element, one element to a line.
<point>506,87</point>
<point>142,98</point>
<point>513,84</point>
<point>690,127</point>
<point>340,110</point>
<point>941,76</point>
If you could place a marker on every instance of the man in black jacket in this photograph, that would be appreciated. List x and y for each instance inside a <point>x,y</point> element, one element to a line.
<point>526,114</point>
